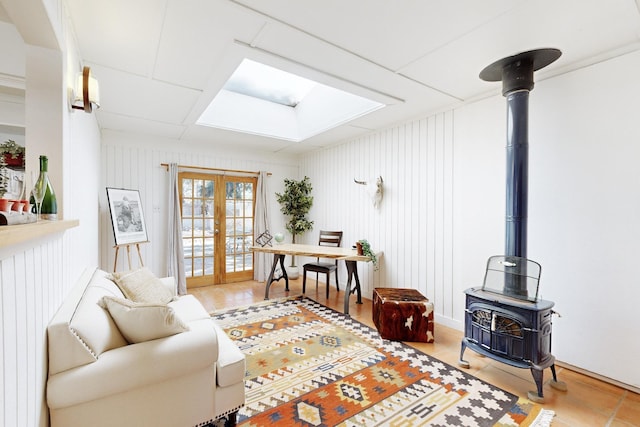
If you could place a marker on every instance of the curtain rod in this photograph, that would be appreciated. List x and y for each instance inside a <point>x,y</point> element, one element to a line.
<point>166,165</point>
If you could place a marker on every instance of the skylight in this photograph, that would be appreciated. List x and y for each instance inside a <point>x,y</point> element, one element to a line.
<point>261,81</point>
<point>262,100</point>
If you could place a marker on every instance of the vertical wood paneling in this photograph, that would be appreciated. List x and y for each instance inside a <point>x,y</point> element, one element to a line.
<point>438,212</point>
<point>450,291</point>
<point>9,343</point>
<point>431,210</point>
<point>21,338</point>
<point>33,282</point>
<point>423,211</point>
<point>413,226</point>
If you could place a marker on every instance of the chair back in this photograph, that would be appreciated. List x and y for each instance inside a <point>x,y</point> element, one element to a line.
<point>330,238</point>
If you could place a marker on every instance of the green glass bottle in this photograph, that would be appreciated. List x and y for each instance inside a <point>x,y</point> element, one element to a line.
<point>49,208</point>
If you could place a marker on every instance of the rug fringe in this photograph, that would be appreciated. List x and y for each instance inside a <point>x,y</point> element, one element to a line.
<point>544,418</point>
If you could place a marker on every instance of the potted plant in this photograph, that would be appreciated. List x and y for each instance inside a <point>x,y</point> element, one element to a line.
<point>13,153</point>
<point>364,248</point>
<point>295,203</point>
<point>4,178</point>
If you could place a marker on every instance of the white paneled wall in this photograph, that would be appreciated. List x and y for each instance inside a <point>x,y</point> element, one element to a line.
<point>412,227</point>
<point>34,280</point>
<point>132,163</point>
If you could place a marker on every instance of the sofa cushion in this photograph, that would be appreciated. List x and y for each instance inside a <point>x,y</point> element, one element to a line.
<point>143,286</point>
<point>140,322</point>
<point>188,308</point>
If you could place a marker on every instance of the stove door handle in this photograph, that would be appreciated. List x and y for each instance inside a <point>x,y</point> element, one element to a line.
<point>556,313</point>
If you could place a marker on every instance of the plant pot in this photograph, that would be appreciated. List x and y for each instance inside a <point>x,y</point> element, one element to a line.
<point>5,205</point>
<point>359,248</point>
<point>14,162</point>
<point>292,272</point>
<point>17,206</point>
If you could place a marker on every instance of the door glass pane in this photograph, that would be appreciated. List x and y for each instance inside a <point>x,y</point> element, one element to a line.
<point>208,213</point>
<point>208,247</point>
<point>239,225</point>
<point>197,267</point>
<point>188,266</point>
<point>198,186</point>
<point>208,266</point>
<point>197,225</point>
<point>187,187</point>
<point>198,247</point>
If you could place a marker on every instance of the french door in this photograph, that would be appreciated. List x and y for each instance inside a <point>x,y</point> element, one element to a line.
<point>217,227</point>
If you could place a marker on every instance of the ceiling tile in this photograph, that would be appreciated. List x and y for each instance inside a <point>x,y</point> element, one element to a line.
<point>134,96</point>
<point>136,125</point>
<point>387,32</point>
<point>225,138</point>
<point>571,26</point>
<point>196,35</point>
<point>121,34</point>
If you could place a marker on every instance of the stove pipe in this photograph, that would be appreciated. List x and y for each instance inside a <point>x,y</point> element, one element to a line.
<point>516,73</point>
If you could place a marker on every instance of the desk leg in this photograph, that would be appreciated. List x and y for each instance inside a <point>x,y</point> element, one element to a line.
<point>277,258</point>
<point>352,273</point>
<point>284,274</point>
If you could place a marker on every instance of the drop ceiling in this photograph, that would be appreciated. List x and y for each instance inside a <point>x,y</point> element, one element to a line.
<point>160,62</point>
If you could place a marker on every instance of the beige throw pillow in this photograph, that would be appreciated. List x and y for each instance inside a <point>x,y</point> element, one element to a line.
<point>140,322</point>
<point>142,285</point>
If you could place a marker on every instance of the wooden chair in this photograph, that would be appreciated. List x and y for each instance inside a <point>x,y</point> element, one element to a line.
<point>327,238</point>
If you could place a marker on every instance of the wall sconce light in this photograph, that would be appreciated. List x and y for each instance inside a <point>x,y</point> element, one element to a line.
<point>86,94</point>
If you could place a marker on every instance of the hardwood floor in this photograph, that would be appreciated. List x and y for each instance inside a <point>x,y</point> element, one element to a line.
<point>588,401</point>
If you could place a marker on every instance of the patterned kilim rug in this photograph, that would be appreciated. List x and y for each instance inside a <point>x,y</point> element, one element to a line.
<point>308,365</point>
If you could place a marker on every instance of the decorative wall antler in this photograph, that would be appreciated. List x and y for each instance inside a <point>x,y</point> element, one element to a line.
<point>374,190</point>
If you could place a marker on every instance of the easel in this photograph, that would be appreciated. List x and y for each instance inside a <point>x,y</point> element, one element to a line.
<point>128,246</point>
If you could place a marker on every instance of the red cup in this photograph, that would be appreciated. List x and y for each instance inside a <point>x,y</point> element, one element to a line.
<point>17,206</point>
<point>26,206</point>
<point>5,205</point>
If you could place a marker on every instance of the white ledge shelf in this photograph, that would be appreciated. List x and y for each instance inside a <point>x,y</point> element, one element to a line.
<point>11,235</point>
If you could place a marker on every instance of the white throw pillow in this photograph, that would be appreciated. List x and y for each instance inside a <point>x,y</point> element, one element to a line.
<point>140,322</point>
<point>142,285</point>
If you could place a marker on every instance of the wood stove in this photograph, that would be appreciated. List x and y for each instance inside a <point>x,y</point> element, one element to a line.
<point>513,328</point>
<point>504,319</point>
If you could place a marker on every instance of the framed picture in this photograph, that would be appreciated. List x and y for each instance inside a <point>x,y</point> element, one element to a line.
<point>126,216</point>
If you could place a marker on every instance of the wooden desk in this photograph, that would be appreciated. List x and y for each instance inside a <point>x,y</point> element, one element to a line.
<point>348,255</point>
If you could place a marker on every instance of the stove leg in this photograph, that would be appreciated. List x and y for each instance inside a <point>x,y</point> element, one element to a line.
<point>537,377</point>
<point>558,385</point>
<point>463,363</point>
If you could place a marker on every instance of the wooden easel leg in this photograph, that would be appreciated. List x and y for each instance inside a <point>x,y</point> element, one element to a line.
<point>129,255</point>
<point>115,263</point>
<point>139,255</point>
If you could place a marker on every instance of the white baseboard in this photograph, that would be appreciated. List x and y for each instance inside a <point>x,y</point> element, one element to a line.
<point>598,376</point>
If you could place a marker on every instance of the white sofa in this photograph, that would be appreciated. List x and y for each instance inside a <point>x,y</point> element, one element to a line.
<point>97,379</point>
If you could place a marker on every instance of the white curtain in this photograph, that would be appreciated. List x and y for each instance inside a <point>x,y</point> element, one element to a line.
<point>175,258</point>
<point>261,266</point>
